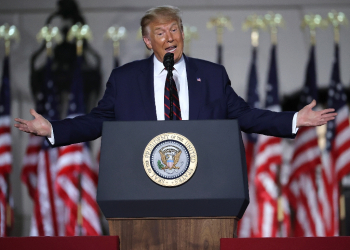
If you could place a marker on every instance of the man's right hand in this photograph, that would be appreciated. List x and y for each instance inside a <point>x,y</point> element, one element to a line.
<point>39,126</point>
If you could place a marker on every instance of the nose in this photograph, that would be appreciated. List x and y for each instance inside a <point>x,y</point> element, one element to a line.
<point>170,37</point>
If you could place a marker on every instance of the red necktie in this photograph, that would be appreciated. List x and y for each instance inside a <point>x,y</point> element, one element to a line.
<point>176,103</point>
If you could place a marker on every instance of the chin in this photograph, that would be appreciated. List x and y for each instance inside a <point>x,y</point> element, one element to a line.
<point>177,57</point>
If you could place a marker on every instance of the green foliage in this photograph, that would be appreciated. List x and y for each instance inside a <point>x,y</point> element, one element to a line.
<point>160,165</point>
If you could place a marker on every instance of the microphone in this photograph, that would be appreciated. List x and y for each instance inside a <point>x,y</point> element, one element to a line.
<point>168,62</point>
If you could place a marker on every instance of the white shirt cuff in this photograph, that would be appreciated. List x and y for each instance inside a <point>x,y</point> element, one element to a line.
<point>294,125</point>
<point>52,138</point>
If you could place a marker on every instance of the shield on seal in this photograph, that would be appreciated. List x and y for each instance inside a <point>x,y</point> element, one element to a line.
<point>170,156</point>
<point>170,162</point>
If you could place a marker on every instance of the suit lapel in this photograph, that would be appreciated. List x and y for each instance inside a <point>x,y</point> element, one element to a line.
<point>146,84</point>
<point>195,88</point>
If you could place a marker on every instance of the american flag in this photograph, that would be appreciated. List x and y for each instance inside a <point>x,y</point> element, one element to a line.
<point>6,202</point>
<point>268,161</point>
<point>77,176</point>
<point>302,186</point>
<point>247,226</point>
<point>337,157</point>
<point>338,130</point>
<point>40,169</point>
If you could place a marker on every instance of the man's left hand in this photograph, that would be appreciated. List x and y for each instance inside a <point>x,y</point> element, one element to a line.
<point>307,117</point>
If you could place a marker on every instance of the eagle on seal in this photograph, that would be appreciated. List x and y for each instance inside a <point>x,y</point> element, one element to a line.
<point>170,160</point>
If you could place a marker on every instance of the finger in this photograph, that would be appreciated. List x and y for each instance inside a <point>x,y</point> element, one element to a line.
<point>34,113</point>
<point>312,104</point>
<point>326,111</point>
<point>323,122</point>
<point>329,115</point>
<point>20,126</point>
<point>22,121</point>
<point>27,131</point>
<point>24,129</point>
<point>328,119</point>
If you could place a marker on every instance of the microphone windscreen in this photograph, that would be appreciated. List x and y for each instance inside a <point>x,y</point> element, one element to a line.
<point>168,60</point>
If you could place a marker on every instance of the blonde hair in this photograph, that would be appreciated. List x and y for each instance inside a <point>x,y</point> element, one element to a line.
<point>161,13</point>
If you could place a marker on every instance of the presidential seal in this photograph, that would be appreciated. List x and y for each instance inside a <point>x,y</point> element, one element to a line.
<point>170,159</point>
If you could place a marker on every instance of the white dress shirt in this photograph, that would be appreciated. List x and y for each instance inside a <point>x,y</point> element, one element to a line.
<point>180,78</point>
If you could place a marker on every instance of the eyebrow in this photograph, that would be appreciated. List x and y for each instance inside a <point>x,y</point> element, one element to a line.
<point>160,28</point>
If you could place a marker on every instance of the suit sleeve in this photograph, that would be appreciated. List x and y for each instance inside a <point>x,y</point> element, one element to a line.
<point>252,120</point>
<point>87,127</point>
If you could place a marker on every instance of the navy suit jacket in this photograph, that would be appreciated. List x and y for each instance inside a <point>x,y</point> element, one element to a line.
<point>129,96</point>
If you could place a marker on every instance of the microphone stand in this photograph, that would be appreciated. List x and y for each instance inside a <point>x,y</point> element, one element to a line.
<point>168,62</point>
<point>170,78</point>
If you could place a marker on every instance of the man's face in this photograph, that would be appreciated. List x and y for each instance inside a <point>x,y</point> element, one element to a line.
<point>165,37</point>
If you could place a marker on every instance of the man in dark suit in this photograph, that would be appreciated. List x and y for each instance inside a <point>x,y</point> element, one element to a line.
<point>136,92</point>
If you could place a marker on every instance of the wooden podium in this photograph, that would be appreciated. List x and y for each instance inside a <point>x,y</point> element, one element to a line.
<point>172,233</point>
<point>194,215</point>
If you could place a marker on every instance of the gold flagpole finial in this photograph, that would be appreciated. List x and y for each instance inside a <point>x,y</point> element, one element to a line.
<point>115,33</point>
<point>274,21</point>
<point>313,22</point>
<point>190,33</point>
<point>8,33</point>
<point>337,19</point>
<point>79,32</point>
<point>255,23</point>
<point>49,34</point>
<point>220,23</point>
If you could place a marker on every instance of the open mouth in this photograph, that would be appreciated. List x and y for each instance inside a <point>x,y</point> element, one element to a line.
<point>170,49</point>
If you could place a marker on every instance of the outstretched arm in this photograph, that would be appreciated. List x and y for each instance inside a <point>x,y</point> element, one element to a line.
<point>38,126</point>
<point>307,117</point>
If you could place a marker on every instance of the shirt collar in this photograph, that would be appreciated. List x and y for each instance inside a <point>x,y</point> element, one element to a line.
<point>159,67</point>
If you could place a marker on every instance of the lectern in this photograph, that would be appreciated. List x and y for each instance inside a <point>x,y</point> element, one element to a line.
<point>172,184</point>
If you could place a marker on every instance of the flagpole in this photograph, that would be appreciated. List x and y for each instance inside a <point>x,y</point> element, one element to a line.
<point>7,47</point>
<point>246,226</point>
<point>79,44</point>
<point>49,35</point>
<point>220,23</point>
<point>8,211</point>
<point>307,140</point>
<point>338,19</point>
<point>79,33</point>
<point>274,21</point>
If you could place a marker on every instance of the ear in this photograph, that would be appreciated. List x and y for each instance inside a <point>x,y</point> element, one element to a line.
<point>147,42</point>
